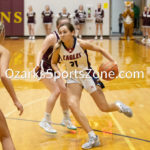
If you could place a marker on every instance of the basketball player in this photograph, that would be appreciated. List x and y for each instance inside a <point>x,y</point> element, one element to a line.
<point>31,22</point>
<point>80,16</point>
<point>5,137</point>
<point>73,54</point>
<point>44,67</point>
<point>99,15</point>
<point>47,15</point>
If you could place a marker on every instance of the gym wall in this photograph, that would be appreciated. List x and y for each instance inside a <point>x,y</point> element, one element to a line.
<point>13,14</point>
<point>57,5</point>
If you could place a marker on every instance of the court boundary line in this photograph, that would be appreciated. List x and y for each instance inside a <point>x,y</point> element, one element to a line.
<point>111,133</point>
<point>129,143</point>
<point>35,101</point>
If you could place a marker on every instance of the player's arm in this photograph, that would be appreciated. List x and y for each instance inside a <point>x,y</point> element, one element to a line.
<point>49,41</point>
<point>92,47</point>
<point>4,64</point>
<point>55,58</point>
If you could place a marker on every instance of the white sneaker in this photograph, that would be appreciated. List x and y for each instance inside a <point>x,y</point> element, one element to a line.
<point>93,142</point>
<point>95,38</point>
<point>101,38</point>
<point>30,38</point>
<point>68,124</point>
<point>33,37</point>
<point>124,109</point>
<point>47,127</point>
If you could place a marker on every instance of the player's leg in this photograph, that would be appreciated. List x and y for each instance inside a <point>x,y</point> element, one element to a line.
<point>148,35</point>
<point>54,90</point>
<point>77,30</point>
<point>64,104</point>
<point>49,27</point>
<point>74,94</point>
<point>102,104</point>
<point>144,34</point>
<point>5,137</point>
<point>96,35</point>
<point>45,26</point>
<point>80,30</point>
<point>29,28</point>
<point>101,30</point>
<point>32,31</point>
<point>94,86</point>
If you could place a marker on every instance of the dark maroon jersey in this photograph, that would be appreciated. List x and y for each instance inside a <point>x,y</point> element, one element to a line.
<point>48,54</point>
<point>47,16</point>
<point>45,64</point>
<point>148,19</point>
<point>144,18</point>
<point>61,15</point>
<point>80,16</point>
<point>99,15</point>
<point>31,17</point>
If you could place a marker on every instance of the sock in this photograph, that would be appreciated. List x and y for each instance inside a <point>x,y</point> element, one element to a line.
<point>66,114</point>
<point>47,117</point>
<point>91,134</point>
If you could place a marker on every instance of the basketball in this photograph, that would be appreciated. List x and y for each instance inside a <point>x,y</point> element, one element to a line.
<point>108,71</point>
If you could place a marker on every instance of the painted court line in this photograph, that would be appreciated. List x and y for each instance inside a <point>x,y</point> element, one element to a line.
<point>131,146</point>
<point>111,133</point>
<point>113,118</point>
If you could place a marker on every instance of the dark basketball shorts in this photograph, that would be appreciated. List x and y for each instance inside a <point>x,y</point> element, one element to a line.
<point>45,68</point>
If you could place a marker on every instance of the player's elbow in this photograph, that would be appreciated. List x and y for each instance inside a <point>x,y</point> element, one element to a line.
<point>3,77</point>
<point>7,54</point>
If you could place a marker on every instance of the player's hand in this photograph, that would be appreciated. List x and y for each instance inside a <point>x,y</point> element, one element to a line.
<point>19,107</point>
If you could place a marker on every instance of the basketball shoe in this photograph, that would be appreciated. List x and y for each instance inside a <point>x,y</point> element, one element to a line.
<point>67,123</point>
<point>124,109</point>
<point>47,126</point>
<point>93,142</point>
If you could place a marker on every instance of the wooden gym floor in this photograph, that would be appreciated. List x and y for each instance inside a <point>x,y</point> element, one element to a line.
<point>116,131</point>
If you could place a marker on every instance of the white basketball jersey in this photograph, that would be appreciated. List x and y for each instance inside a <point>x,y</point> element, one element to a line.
<point>75,58</point>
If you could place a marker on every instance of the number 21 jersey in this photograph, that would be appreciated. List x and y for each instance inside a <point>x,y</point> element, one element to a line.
<point>75,58</point>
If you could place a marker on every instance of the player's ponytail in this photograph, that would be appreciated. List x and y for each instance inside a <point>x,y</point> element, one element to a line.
<point>58,45</point>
